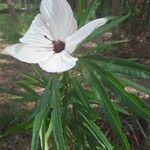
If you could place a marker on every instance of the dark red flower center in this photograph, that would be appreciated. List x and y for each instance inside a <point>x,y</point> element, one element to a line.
<point>58,46</point>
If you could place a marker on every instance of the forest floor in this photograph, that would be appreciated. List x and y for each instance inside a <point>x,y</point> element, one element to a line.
<point>10,70</point>
<point>11,111</point>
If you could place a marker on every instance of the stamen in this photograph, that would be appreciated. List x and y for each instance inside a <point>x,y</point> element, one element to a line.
<point>57,46</point>
<point>48,38</point>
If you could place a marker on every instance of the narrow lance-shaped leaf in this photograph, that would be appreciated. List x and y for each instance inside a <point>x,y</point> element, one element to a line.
<point>108,107</point>
<point>79,11</point>
<point>108,26</point>
<point>133,84</point>
<point>106,46</point>
<point>80,92</point>
<point>27,98</point>
<point>13,92</point>
<point>120,66</point>
<point>36,130</point>
<point>121,109</point>
<point>26,86</point>
<point>33,80</point>
<point>95,131</point>
<point>40,114</point>
<point>89,12</point>
<point>138,106</point>
<point>19,128</point>
<point>39,72</point>
<point>56,116</point>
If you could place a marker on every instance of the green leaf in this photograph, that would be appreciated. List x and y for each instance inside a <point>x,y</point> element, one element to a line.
<point>120,109</point>
<point>135,103</point>
<point>108,107</point>
<point>26,86</point>
<point>106,46</point>
<point>27,98</point>
<point>56,116</point>
<point>95,131</point>
<point>40,114</point>
<point>40,74</point>
<point>107,27</point>
<point>13,92</point>
<point>30,95</point>
<point>33,80</point>
<point>133,84</point>
<point>36,130</point>
<point>79,11</point>
<point>89,12</point>
<point>80,93</point>
<point>121,66</point>
<point>19,128</point>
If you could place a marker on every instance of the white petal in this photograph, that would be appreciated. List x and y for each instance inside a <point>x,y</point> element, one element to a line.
<point>59,18</point>
<point>28,53</point>
<point>59,62</point>
<point>37,31</point>
<point>75,39</point>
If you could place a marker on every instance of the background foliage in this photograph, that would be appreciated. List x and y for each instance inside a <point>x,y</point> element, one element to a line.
<point>91,107</point>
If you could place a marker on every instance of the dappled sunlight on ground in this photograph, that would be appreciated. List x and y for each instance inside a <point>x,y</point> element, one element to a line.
<point>12,112</point>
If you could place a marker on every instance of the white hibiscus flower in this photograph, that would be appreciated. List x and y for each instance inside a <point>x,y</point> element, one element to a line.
<point>53,37</point>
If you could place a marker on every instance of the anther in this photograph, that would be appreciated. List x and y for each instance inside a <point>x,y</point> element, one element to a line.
<point>58,46</point>
<point>48,38</point>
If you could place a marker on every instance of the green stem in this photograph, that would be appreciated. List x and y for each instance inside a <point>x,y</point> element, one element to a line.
<point>47,135</point>
<point>42,138</point>
<point>40,74</point>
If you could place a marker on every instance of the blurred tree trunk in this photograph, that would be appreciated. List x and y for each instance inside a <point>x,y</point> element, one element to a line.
<point>116,11</point>
<point>116,7</point>
<point>35,4</point>
<point>22,4</point>
<point>72,3</point>
<point>27,4</point>
<point>148,13</point>
<point>11,9</point>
